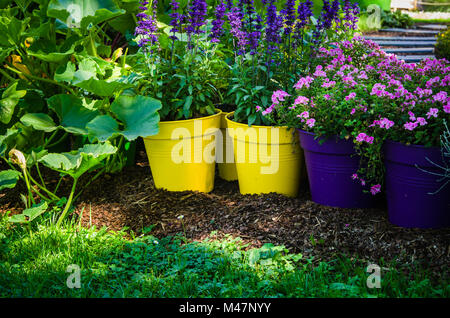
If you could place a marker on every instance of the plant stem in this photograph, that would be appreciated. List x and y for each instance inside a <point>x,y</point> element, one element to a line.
<point>59,140</point>
<point>43,188</point>
<point>68,204</point>
<point>57,185</point>
<point>6,75</point>
<point>46,80</point>
<point>90,181</point>
<point>30,194</point>
<point>50,138</point>
<point>39,174</point>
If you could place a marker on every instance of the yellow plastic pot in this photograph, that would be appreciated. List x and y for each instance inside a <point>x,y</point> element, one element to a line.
<point>225,160</point>
<point>182,154</point>
<point>268,159</point>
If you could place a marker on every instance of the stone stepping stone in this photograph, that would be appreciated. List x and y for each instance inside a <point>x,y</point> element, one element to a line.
<point>438,27</point>
<point>414,58</point>
<point>406,43</point>
<point>412,50</point>
<point>411,31</point>
<point>401,38</point>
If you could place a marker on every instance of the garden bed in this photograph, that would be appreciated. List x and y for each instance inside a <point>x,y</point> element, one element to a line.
<point>129,199</point>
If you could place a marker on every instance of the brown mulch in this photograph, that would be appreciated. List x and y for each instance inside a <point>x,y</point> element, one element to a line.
<point>129,199</point>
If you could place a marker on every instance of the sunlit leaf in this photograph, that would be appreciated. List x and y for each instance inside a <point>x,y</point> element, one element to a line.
<point>8,179</point>
<point>72,114</point>
<point>10,98</point>
<point>139,114</point>
<point>39,121</point>
<point>82,13</point>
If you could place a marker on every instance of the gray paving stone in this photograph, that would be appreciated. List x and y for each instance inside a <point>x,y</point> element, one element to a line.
<point>406,43</point>
<point>410,50</point>
<point>401,38</point>
<point>414,58</point>
<point>438,27</point>
<point>411,31</point>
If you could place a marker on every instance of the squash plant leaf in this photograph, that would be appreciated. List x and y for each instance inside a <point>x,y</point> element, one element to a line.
<point>8,140</point>
<point>102,128</point>
<point>39,121</point>
<point>47,51</point>
<point>139,114</point>
<point>87,77</point>
<point>102,88</point>
<point>82,13</point>
<point>76,163</point>
<point>10,98</point>
<point>72,114</point>
<point>28,215</point>
<point>8,179</point>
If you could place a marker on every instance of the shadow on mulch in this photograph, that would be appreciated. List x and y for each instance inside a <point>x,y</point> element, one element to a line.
<point>129,199</point>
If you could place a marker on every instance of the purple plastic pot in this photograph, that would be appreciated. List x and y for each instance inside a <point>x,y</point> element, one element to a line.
<point>408,188</point>
<point>330,167</point>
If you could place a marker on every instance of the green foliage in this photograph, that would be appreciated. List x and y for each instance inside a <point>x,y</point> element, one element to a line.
<point>10,99</point>
<point>76,163</point>
<point>188,83</point>
<point>30,214</point>
<point>64,68</point>
<point>442,47</point>
<point>82,13</point>
<point>8,179</point>
<point>34,265</point>
<point>396,19</point>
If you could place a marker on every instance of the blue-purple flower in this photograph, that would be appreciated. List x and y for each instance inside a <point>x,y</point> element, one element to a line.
<point>289,16</point>
<point>197,15</point>
<point>177,19</point>
<point>235,19</point>
<point>274,23</point>
<point>146,25</point>
<point>217,29</point>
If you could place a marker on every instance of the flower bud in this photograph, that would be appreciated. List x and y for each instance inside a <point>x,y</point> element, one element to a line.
<point>18,158</point>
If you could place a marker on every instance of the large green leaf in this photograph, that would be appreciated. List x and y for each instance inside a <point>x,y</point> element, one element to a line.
<point>76,163</point>
<point>8,179</point>
<point>103,88</point>
<point>11,30</point>
<point>35,211</point>
<point>7,140</point>
<point>72,114</point>
<point>82,13</point>
<point>102,128</point>
<point>5,52</point>
<point>10,98</point>
<point>28,215</point>
<point>39,121</point>
<point>87,77</point>
<point>47,51</point>
<point>139,114</point>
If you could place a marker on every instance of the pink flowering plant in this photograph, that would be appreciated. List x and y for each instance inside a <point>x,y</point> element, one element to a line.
<point>359,92</point>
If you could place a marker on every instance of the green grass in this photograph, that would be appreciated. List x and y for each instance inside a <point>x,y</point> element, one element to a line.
<point>34,265</point>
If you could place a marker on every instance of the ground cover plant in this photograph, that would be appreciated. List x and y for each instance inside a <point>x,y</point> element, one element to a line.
<point>113,266</point>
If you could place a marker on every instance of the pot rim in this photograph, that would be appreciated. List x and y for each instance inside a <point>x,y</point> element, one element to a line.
<point>168,122</point>
<point>252,126</point>
<point>388,141</point>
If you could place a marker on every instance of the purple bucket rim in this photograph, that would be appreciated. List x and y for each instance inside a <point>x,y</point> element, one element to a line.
<point>388,141</point>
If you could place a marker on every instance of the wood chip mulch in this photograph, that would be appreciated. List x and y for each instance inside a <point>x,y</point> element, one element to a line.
<point>129,199</point>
